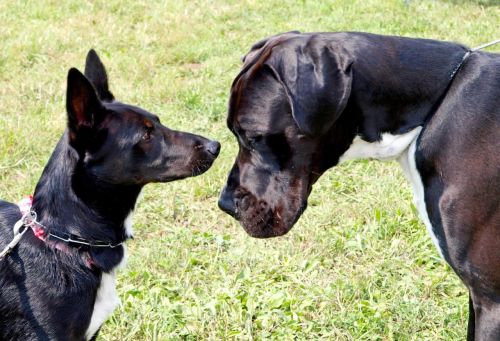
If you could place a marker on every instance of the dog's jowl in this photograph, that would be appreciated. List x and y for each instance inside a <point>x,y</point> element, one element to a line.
<point>58,282</point>
<point>304,102</point>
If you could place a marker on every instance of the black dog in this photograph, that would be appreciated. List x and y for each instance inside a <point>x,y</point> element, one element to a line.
<point>58,283</point>
<point>304,102</point>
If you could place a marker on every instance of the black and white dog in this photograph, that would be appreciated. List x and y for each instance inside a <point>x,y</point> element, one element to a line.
<point>304,102</point>
<point>58,283</point>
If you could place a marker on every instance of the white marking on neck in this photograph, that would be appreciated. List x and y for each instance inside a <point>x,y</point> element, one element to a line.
<point>408,163</point>
<point>127,224</point>
<point>388,148</point>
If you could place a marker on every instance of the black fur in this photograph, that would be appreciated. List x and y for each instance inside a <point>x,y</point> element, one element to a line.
<point>301,99</point>
<point>109,151</point>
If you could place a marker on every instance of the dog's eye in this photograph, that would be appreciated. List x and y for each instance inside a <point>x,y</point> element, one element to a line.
<point>147,134</point>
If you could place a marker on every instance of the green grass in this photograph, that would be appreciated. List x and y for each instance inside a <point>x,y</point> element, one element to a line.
<point>358,265</point>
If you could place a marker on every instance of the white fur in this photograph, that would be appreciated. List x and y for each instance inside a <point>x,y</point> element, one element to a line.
<point>127,224</point>
<point>401,147</point>
<point>389,147</point>
<point>105,302</point>
<point>106,298</point>
<point>407,162</point>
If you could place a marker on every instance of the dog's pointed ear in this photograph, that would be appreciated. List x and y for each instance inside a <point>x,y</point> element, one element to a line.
<point>318,83</point>
<point>96,73</point>
<point>84,108</point>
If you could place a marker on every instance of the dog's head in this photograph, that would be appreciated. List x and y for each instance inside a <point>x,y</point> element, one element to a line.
<point>284,108</point>
<point>123,144</point>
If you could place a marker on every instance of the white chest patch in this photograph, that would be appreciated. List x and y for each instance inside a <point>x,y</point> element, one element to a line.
<point>106,299</point>
<point>401,147</point>
<point>390,147</point>
<point>105,302</point>
<point>408,163</point>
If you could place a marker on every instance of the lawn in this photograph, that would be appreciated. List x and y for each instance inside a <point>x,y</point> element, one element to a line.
<point>358,265</point>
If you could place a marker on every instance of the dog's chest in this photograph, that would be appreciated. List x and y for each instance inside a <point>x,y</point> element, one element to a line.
<point>106,298</point>
<point>408,163</point>
<point>105,302</point>
<point>390,147</point>
<point>401,147</point>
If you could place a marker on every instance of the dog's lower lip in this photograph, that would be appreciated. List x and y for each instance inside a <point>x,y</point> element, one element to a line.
<point>268,228</point>
<point>260,226</point>
<point>262,232</point>
<point>202,166</point>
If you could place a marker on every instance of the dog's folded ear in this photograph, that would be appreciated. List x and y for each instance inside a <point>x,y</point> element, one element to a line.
<point>261,43</point>
<point>317,79</point>
<point>84,108</point>
<point>96,73</point>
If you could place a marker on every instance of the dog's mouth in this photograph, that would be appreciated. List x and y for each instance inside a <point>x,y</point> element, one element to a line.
<point>195,168</point>
<point>201,166</point>
<point>260,220</point>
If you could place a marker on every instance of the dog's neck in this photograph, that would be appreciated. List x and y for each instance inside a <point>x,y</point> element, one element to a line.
<point>69,200</point>
<point>398,83</point>
<point>391,93</point>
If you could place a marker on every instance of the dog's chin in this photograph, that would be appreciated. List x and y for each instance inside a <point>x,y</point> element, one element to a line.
<point>201,166</point>
<point>195,169</point>
<point>270,225</point>
<point>264,230</point>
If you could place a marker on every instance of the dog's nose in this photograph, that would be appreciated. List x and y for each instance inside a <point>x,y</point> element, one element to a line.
<point>226,203</point>
<point>213,147</point>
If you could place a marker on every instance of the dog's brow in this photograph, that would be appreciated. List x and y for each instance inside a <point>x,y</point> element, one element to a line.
<point>250,126</point>
<point>148,123</point>
<point>249,120</point>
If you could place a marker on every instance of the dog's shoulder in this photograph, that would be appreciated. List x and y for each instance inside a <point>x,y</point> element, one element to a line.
<point>8,208</point>
<point>32,273</point>
<point>479,83</point>
<point>9,214</point>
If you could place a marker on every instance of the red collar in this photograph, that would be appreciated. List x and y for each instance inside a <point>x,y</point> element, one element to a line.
<point>39,231</point>
<point>25,207</point>
<point>42,232</point>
